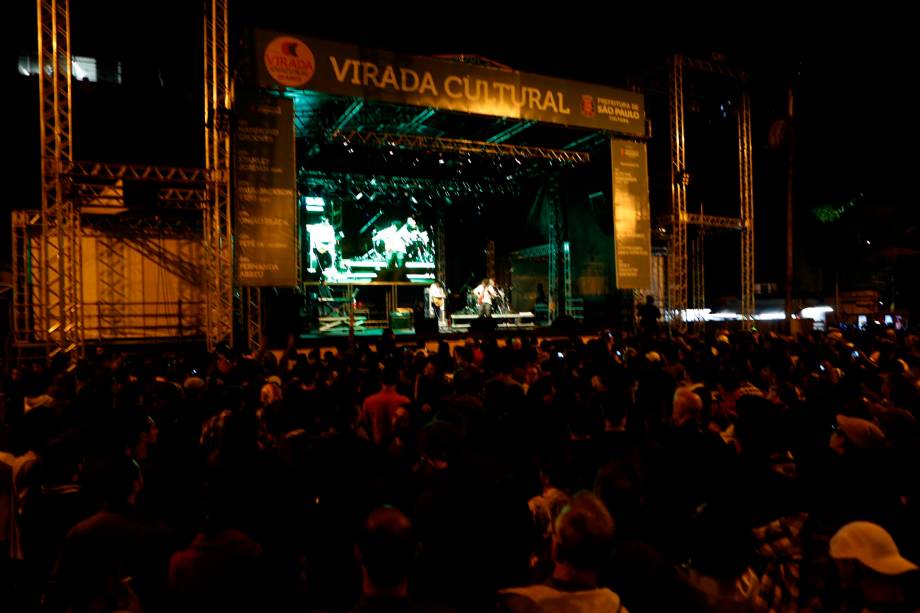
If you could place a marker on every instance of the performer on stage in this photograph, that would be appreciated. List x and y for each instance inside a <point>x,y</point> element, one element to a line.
<point>323,243</point>
<point>419,244</point>
<point>323,258</point>
<point>324,296</point>
<point>396,243</point>
<point>436,298</point>
<point>485,293</point>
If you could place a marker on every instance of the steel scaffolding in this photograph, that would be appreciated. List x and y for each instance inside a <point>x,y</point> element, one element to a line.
<point>439,244</point>
<point>679,218</point>
<point>456,145</point>
<point>555,237</point>
<point>746,187</point>
<point>81,199</point>
<point>677,248</point>
<point>218,102</point>
<point>59,316</point>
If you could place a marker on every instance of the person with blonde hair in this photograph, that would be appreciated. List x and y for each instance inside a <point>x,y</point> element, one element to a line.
<point>582,541</point>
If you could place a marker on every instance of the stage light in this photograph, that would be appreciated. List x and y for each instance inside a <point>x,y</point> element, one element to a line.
<point>313,204</point>
<point>414,201</point>
<point>817,312</point>
<point>440,161</point>
<point>359,195</point>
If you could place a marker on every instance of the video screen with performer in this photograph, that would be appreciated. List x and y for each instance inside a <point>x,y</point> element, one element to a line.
<point>367,242</point>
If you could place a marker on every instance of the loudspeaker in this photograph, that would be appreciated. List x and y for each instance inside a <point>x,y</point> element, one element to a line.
<point>483,324</point>
<point>426,326</point>
<point>285,307</point>
<point>400,321</point>
<point>565,322</point>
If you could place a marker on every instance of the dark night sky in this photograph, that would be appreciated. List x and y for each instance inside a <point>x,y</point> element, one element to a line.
<point>856,117</point>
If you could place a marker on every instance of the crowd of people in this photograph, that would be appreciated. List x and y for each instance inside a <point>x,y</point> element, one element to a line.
<point>720,471</point>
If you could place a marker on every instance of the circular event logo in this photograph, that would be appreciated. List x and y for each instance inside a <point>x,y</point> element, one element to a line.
<point>289,61</point>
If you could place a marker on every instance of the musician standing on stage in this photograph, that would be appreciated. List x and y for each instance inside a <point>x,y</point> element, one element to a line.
<point>396,243</point>
<point>485,293</point>
<point>324,295</point>
<point>436,296</point>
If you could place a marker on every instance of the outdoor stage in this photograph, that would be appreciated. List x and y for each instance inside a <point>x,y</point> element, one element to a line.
<point>453,336</point>
<point>341,193</point>
<point>502,320</point>
<point>460,323</point>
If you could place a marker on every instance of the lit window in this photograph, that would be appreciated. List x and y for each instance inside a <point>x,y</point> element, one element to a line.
<point>84,68</point>
<point>28,65</point>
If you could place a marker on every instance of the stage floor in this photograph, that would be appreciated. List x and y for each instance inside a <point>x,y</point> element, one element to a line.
<point>332,328</point>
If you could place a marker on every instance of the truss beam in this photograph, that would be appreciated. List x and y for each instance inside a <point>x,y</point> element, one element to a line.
<point>457,145</point>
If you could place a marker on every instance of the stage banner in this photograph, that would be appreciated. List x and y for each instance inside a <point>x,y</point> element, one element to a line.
<point>631,223</point>
<point>266,212</point>
<point>283,60</point>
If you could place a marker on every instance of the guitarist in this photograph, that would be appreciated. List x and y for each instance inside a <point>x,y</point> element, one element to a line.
<point>485,293</point>
<point>436,297</point>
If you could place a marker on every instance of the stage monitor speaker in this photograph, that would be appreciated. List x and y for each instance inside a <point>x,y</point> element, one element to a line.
<point>565,322</point>
<point>426,326</point>
<point>285,306</point>
<point>400,321</point>
<point>483,324</point>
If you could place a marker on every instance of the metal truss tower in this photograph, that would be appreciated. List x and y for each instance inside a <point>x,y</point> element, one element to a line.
<point>218,102</point>
<point>679,218</point>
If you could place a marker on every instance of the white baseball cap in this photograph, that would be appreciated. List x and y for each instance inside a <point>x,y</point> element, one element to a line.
<point>872,546</point>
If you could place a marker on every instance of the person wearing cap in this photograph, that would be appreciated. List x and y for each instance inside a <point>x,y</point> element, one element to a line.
<point>858,481</point>
<point>871,568</point>
<point>854,433</point>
